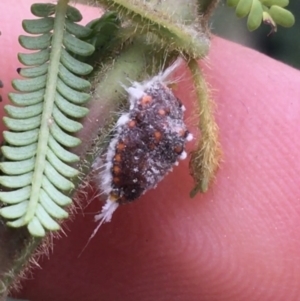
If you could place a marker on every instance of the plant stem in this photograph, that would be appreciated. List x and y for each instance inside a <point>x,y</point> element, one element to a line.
<point>206,158</point>
<point>207,6</point>
<point>188,40</point>
<point>19,246</point>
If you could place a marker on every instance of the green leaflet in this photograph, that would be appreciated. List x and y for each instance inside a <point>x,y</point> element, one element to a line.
<point>271,12</point>
<point>45,115</point>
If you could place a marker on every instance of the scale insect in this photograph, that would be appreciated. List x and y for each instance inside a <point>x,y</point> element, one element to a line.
<point>149,140</point>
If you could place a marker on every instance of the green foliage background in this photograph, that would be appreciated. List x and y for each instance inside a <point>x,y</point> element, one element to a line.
<point>284,45</point>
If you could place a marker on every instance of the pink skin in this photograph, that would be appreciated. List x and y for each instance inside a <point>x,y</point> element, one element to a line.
<point>239,241</point>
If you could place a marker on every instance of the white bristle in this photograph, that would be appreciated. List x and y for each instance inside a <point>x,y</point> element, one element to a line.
<point>189,137</point>
<point>106,212</point>
<point>103,217</point>
<point>183,155</point>
<point>123,120</point>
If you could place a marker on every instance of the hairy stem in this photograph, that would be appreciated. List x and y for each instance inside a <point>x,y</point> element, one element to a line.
<point>205,159</point>
<point>175,36</point>
<point>19,246</point>
<point>206,6</point>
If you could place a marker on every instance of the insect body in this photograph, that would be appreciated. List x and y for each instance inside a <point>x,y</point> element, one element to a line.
<point>149,140</point>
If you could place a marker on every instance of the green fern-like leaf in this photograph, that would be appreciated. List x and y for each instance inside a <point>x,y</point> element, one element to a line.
<point>43,119</point>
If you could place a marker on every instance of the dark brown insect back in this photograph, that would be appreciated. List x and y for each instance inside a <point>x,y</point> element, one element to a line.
<point>149,139</point>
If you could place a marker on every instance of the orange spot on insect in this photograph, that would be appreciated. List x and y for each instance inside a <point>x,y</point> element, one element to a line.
<point>117,158</point>
<point>116,170</point>
<point>116,180</point>
<point>157,135</point>
<point>162,112</point>
<point>178,149</point>
<point>121,146</point>
<point>146,99</point>
<point>131,123</point>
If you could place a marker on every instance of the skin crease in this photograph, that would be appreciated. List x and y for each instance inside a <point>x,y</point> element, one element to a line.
<point>239,241</point>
